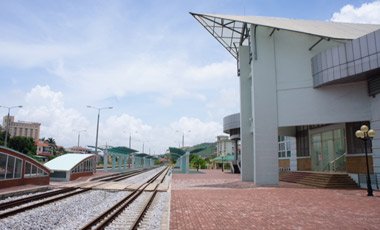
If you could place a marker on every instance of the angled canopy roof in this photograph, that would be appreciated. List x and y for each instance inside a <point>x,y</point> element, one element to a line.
<point>232,31</point>
<point>176,151</point>
<point>142,155</point>
<point>197,150</point>
<point>221,159</point>
<point>121,150</point>
<point>67,161</point>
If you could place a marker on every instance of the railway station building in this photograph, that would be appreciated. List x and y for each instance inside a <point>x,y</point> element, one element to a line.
<point>317,81</point>
<point>71,166</point>
<point>18,169</point>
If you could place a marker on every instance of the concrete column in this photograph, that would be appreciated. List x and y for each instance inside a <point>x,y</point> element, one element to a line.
<point>178,163</point>
<point>293,154</point>
<point>132,162</point>
<point>264,108</point>
<point>375,125</point>
<point>119,161</point>
<point>185,163</point>
<point>105,161</point>
<point>146,162</point>
<point>113,162</point>
<point>247,170</point>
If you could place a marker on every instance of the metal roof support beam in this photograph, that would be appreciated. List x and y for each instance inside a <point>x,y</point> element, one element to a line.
<point>271,33</point>
<point>316,43</point>
<point>242,35</point>
<point>254,43</point>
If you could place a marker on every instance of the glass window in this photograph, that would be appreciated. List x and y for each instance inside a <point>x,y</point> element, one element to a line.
<point>3,165</point>
<point>34,170</point>
<point>10,167</point>
<point>28,169</point>
<point>18,168</point>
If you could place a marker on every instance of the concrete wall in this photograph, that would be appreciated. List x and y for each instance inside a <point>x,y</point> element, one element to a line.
<point>375,125</point>
<point>298,102</point>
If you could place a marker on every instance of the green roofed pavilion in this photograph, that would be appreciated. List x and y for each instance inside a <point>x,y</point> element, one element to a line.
<point>121,150</point>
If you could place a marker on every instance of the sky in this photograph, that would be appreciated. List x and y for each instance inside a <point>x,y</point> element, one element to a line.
<point>164,75</point>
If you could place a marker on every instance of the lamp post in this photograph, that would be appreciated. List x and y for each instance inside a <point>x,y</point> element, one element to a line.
<point>222,163</point>
<point>183,137</point>
<point>7,128</point>
<point>130,139</point>
<point>366,134</point>
<point>97,124</point>
<point>79,131</point>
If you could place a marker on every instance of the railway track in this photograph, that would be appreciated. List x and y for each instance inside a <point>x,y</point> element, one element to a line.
<point>11,208</point>
<point>29,199</point>
<point>120,175</point>
<point>117,214</point>
<point>113,178</point>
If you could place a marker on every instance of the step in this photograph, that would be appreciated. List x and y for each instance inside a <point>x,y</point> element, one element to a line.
<point>323,180</point>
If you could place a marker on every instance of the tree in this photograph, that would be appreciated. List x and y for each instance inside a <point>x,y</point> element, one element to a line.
<point>52,144</point>
<point>197,161</point>
<point>23,144</point>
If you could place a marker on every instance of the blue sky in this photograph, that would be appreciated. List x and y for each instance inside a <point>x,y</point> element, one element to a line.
<point>150,60</point>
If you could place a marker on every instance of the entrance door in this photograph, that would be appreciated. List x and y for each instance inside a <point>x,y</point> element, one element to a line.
<point>327,150</point>
<point>328,154</point>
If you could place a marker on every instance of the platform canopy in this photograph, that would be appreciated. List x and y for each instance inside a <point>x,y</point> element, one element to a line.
<point>233,31</point>
<point>142,155</point>
<point>221,159</point>
<point>177,151</point>
<point>67,161</point>
<point>121,150</point>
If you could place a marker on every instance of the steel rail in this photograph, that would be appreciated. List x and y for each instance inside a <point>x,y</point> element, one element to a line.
<point>108,216</point>
<point>148,204</point>
<point>26,200</point>
<point>22,209</point>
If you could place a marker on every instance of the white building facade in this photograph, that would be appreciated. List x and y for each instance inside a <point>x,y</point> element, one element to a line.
<point>290,86</point>
<point>224,146</point>
<point>22,128</point>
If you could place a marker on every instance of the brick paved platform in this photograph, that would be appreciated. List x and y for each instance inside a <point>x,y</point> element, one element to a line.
<point>216,200</point>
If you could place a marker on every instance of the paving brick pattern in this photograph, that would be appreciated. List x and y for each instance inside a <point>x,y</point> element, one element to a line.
<point>216,200</point>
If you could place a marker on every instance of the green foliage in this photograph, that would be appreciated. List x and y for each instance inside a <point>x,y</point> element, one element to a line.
<point>2,136</point>
<point>23,144</point>
<point>197,162</point>
<point>208,149</point>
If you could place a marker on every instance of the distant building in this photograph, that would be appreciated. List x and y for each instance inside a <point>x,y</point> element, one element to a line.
<point>44,149</point>
<point>79,149</point>
<point>224,146</point>
<point>22,128</point>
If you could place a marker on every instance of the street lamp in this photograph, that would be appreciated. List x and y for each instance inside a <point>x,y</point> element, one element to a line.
<point>97,124</point>
<point>222,163</point>
<point>366,134</point>
<point>183,137</point>
<point>130,139</point>
<point>7,128</point>
<point>79,131</point>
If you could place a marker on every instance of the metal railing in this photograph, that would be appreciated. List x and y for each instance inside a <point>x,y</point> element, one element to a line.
<point>338,164</point>
<point>362,180</point>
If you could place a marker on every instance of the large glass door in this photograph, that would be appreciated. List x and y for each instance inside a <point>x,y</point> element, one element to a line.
<point>327,150</point>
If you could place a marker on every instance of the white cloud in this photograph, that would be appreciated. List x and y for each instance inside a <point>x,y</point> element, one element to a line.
<point>366,13</point>
<point>157,139</point>
<point>47,107</point>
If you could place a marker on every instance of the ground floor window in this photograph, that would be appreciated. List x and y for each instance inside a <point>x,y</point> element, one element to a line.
<point>10,167</point>
<point>32,170</point>
<point>283,147</point>
<point>84,166</point>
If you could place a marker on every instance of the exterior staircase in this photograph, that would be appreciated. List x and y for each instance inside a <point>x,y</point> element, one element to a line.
<point>319,179</point>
